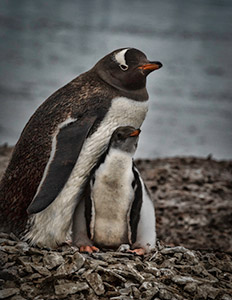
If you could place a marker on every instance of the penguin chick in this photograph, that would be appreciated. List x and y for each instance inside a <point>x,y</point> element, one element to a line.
<point>115,207</point>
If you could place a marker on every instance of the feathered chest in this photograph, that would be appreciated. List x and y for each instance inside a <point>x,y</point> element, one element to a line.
<point>112,195</point>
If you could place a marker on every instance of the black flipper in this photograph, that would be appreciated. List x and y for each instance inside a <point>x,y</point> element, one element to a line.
<point>136,205</point>
<point>70,140</point>
<point>88,206</point>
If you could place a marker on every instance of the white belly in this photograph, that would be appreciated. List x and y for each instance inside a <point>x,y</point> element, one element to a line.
<point>112,194</point>
<point>51,225</point>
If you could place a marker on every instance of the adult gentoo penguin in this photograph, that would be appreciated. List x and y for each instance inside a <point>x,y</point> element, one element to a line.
<point>115,207</point>
<point>63,140</point>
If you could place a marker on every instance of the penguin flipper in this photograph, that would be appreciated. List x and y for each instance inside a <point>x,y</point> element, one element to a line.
<point>66,147</point>
<point>135,207</point>
<point>145,231</point>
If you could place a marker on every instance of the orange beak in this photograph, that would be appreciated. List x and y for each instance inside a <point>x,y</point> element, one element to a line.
<point>136,132</point>
<point>151,66</point>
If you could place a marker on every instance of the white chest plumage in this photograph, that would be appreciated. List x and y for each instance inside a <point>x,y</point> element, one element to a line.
<point>111,195</point>
<point>50,226</point>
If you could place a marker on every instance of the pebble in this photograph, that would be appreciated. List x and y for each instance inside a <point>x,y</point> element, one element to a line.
<point>95,281</point>
<point>71,265</point>
<point>68,288</point>
<point>190,287</point>
<point>184,279</point>
<point>166,295</point>
<point>5,293</point>
<point>52,260</point>
<point>226,297</point>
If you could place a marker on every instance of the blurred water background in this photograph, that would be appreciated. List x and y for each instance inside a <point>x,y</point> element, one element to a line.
<point>45,44</point>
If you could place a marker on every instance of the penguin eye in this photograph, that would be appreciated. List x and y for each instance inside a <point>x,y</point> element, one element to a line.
<point>123,67</point>
<point>119,135</point>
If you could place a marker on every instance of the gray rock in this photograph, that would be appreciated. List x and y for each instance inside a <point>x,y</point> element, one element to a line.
<point>26,264</point>
<point>30,290</point>
<point>145,286</point>
<point>190,254</point>
<point>167,273</point>
<point>72,264</point>
<point>5,293</point>
<point>184,280</point>
<point>67,288</point>
<point>136,292</point>
<point>148,290</point>
<point>226,297</point>
<point>9,274</point>
<point>178,256</point>
<point>135,273</point>
<point>52,260</point>
<point>226,266</point>
<point>90,296</point>
<point>37,259</point>
<point>125,291</point>
<point>3,257</point>
<point>207,292</point>
<point>41,270</point>
<point>95,281</point>
<point>166,295</point>
<point>17,297</point>
<point>120,298</point>
<point>23,247</point>
<point>33,250</point>
<point>111,273</point>
<point>149,294</point>
<point>9,249</point>
<point>6,241</point>
<point>151,269</point>
<point>191,287</point>
<point>5,236</point>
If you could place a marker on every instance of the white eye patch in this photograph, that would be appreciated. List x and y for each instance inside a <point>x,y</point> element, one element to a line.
<point>121,60</point>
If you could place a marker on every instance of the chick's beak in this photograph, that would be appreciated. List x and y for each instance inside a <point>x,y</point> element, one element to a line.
<point>136,132</point>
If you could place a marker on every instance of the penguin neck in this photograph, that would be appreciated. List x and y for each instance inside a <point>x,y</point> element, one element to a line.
<point>117,160</point>
<point>137,95</point>
<point>113,151</point>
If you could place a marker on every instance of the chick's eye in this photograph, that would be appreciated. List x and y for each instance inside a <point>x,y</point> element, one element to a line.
<point>123,67</point>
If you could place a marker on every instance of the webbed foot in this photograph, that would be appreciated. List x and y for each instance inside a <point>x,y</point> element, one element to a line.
<point>88,249</point>
<point>138,251</point>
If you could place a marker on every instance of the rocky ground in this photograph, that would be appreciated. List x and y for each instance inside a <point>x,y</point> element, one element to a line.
<point>193,259</point>
<point>193,200</point>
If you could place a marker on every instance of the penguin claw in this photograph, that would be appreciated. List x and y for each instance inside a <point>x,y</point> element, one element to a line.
<point>88,249</point>
<point>138,251</point>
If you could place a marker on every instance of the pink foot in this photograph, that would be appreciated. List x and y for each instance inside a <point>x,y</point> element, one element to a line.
<point>88,249</point>
<point>138,251</point>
